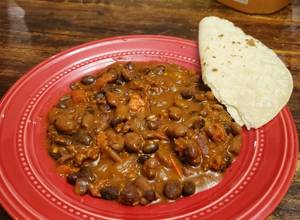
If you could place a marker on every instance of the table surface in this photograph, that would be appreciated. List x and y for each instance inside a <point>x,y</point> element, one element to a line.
<point>33,30</point>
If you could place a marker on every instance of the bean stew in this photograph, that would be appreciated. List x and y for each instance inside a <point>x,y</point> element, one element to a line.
<point>141,133</point>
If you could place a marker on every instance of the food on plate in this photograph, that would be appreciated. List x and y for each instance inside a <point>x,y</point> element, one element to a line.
<point>243,74</point>
<point>141,133</point>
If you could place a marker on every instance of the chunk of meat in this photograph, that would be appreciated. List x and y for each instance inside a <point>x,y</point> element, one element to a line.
<point>115,141</point>
<point>66,123</point>
<point>216,131</point>
<point>136,103</point>
<point>133,142</point>
<point>105,78</point>
<point>88,120</point>
<point>91,153</point>
<point>79,96</point>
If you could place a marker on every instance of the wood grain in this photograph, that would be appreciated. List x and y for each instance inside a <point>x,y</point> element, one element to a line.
<point>31,31</point>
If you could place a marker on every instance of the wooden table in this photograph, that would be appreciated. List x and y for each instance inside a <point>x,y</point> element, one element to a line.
<point>31,31</point>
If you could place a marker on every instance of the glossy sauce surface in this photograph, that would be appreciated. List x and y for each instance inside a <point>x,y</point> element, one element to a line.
<point>141,133</point>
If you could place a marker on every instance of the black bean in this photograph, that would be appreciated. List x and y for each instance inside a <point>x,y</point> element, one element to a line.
<point>104,108</point>
<point>133,142</point>
<point>127,75</point>
<point>150,147</point>
<point>54,152</point>
<point>120,81</point>
<point>187,93</point>
<point>87,80</point>
<point>109,192</point>
<point>129,195</point>
<point>152,163</point>
<point>172,189</point>
<point>150,195</point>
<point>175,113</point>
<point>176,130</point>
<point>192,155</point>
<point>142,158</point>
<point>189,188</point>
<point>99,96</point>
<point>153,125</point>
<point>84,138</point>
<point>62,105</point>
<point>71,178</point>
<point>86,173</point>
<point>116,120</point>
<point>190,152</point>
<point>150,173</point>
<point>152,122</point>
<point>198,123</point>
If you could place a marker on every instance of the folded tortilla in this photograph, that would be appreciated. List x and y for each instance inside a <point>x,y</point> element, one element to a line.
<point>244,75</point>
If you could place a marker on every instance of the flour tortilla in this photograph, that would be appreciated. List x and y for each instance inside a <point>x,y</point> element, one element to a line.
<point>244,75</point>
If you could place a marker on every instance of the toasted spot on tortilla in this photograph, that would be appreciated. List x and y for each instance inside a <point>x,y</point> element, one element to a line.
<point>215,69</point>
<point>251,42</point>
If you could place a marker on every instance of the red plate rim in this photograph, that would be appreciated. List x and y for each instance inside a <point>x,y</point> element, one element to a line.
<point>262,209</point>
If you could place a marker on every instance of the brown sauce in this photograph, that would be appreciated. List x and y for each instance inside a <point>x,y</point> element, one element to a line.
<point>141,133</point>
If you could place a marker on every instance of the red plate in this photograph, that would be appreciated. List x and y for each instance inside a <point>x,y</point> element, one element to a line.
<point>31,189</point>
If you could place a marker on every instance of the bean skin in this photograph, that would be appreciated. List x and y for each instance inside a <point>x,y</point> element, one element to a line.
<point>71,178</point>
<point>150,147</point>
<point>187,93</point>
<point>175,113</point>
<point>87,80</point>
<point>129,195</point>
<point>133,142</point>
<point>150,195</point>
<point>176,130</point>
<point>172,189</point>
<point>189,188</point>
<point>109,192</point>
<point>142,158</point>
<point>62,105</point>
